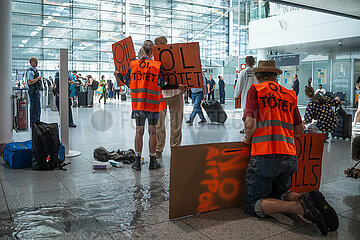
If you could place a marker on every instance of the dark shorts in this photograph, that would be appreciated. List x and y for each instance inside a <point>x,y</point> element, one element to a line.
<point>267,176</point>
<point>141,116</point>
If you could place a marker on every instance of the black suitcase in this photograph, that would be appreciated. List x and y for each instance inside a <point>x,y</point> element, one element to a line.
<point>82,99</point>
<point>215,111</point>
<point>123,97</point>
<point>344,126</point>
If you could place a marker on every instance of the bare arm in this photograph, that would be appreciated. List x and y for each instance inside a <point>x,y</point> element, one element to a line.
<point>299,129</point>
<point>250,127</point>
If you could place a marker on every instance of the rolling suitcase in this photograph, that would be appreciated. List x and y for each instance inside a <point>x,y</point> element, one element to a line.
<point>344,126</point>
<point>82,96</point>
<point>123,97</point>
<point>215,111</point>
<point>18,154</point>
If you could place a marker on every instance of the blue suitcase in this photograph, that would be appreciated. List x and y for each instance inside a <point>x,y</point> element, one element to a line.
<point>18,154</point>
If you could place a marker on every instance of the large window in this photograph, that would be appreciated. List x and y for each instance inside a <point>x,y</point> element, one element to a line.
<point>88,28</point>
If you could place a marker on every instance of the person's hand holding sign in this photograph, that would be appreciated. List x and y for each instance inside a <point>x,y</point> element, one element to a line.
<point>182,87</point>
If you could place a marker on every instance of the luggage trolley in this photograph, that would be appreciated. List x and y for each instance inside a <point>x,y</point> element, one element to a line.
<point>20,109</point>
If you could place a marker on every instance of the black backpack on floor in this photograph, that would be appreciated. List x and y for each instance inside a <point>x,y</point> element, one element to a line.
<point>45,146</point>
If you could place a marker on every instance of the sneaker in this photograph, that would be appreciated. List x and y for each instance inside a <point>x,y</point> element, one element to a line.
<point>312,214</point>
<point>154,164</point>
<point>331,218</point>
<point>72,125</point>
<point>137,164</point>
<point>189,123</point>
<point>202,121</point>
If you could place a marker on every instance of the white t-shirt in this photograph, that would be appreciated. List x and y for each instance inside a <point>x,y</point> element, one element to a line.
<point>246,79</point>
<point>170,93</point>
<point>321,91</point>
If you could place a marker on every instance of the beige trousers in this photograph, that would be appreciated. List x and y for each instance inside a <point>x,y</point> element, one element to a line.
<point>176,108</point>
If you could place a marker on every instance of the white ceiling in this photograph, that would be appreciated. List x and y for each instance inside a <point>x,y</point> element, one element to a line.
<point>349,8</point>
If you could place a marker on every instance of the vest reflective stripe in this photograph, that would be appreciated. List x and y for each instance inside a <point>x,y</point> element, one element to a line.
<point>274,132</point>
<point>145,90</point>
<point>267,138</point>
<point>145,93</point>
<point>268,123</point>
<point>144,100</point>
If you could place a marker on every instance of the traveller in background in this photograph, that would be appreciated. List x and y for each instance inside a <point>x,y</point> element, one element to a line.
<point>221,89</point>
<point>72,83</point>
<point>111,89</point>
<point>33,80</point>
<point>270,131</point>
<point>296,85</point>
<point>310,82</point>
<point>103,90</point>
<point>116,90</point>
<point>90,91</point>
<point>320,109</point>
<point>357,114</point>
<point>211,88</point>
<point>78,85</point>
<point>146,101</point>
<point>56,90</point>
<point>320,90</point>
<point>173,97</point>
<point>198,95</point>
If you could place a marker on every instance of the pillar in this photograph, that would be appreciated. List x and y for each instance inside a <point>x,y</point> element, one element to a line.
<point>261,54</point>
<point>6,123</point>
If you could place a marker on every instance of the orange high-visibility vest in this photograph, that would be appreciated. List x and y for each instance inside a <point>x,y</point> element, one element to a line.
<point>274,132</point>
<point>145,93</point>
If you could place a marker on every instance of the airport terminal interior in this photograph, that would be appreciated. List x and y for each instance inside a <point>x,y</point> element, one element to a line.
<point>317,40</point>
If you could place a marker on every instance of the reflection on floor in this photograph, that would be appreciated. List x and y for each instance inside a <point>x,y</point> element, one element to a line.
<point>123,204</point>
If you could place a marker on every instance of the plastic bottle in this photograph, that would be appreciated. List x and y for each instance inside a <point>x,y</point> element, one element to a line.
<point>115,163</point>
<point>101,165</point>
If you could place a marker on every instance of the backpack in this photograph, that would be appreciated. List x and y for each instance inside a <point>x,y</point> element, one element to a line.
<point>95,85</point>
<point>45,146</point>
<point>103,155</point>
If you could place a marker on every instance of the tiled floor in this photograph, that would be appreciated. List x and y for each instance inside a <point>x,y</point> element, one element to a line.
<point>123,204</point>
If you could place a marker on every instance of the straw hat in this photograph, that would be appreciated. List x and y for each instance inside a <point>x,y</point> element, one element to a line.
<point>267,66</point>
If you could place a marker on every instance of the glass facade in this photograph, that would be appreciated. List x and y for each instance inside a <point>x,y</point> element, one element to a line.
<point>88,28</point>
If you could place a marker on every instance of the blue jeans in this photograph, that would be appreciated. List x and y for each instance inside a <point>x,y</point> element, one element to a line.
<point>267,176</point>
<point>35,106</point>
<point>196,98</point>
<point>222,96</point>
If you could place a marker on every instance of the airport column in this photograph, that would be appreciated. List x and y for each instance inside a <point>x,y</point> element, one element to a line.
<point>262,54</point>
<point>6,124</point>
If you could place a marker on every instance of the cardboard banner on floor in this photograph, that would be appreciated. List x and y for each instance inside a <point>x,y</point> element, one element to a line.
<point>212,176</point>
<point>124,54</point>
<point>181,63</point>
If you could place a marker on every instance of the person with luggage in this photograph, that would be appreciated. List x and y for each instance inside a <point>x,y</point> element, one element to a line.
<point>90,90</point>
<point>110,89</point>
<point>33,80</point>
<point>103,90</point>
<point>198,95</point>
<point>145,80</point>
<point>320,90</point>
<point>116,90</point>
<point>272,119</point>
<point>211,88</point>
<point>174,101</point>
<point>320,109</point>
<point>221,89</point>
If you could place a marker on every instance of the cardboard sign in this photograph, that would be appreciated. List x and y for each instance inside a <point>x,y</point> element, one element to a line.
<point>238,102</point>
<point>212,176</point>
<point>309,151</point>
<point>180,63</point>
<point>124,54</point>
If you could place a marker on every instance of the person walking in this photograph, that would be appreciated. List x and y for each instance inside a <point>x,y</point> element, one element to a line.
<point>145,79</point>
<point>173,97</point>
<point>103,90</point>
<point>296,85</point>
<point>221,89</point>
<point>116,90</point>
<point>33,80</point>
<point>90,91</point>
<point>270,129</point>
<point>198,95</point>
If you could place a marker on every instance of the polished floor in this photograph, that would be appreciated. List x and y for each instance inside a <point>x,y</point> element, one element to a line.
<point>123,204</point>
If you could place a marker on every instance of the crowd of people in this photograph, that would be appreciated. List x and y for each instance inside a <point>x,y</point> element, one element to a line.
<point>271,121</point>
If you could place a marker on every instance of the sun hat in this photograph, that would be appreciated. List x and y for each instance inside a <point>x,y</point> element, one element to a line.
<point>267,66</point>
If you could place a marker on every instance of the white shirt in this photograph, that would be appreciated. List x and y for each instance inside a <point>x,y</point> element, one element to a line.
<point>170,93</point>
<point>246,79</point>
<point>321,91</point>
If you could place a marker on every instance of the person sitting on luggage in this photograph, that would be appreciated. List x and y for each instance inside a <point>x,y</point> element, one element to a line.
<point>319,109</point>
